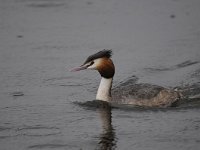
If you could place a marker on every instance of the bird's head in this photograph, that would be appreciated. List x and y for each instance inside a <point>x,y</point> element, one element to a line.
<point>99,61</point>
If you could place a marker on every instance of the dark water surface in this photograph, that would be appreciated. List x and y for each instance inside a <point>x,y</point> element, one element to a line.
<point>42,104</point>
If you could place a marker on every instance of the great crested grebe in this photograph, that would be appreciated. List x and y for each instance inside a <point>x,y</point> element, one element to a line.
<point>143,94</point>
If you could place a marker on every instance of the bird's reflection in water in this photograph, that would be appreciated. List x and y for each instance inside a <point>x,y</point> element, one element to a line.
<point>107,137</point>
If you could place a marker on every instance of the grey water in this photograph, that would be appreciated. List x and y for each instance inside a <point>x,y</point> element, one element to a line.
<point>43,106</point>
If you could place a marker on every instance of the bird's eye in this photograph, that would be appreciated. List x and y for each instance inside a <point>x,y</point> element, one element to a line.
<point>92,62</point>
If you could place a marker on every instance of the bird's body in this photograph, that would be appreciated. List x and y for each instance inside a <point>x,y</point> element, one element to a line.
<point>129,92</point>
<point>144,94</point>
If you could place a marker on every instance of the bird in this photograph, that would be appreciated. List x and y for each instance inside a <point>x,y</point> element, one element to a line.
<point>129,92</point>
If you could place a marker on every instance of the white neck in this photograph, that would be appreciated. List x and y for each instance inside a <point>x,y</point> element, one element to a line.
<point>104,90</point>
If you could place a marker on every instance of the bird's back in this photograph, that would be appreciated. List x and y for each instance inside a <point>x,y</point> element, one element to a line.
<point>144,94</point>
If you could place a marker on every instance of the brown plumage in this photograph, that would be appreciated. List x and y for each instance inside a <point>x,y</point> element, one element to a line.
<point>106,67</point>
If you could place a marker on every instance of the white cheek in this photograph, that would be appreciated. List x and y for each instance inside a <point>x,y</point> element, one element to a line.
<point>97,62</point>
<point>92,67</point>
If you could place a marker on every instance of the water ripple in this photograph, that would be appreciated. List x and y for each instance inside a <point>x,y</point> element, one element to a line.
<point>66,81</point>
<point>7,132</point>
<point>38,130</point>
<point>178,66</point>
<point>48,146</point>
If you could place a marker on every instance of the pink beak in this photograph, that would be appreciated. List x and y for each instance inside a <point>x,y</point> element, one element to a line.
<point>78,68</point>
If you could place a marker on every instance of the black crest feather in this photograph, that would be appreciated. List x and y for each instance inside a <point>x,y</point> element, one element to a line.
<point>100,54</point>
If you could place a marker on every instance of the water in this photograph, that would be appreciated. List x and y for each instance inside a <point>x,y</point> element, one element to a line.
<point>41,106</point>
